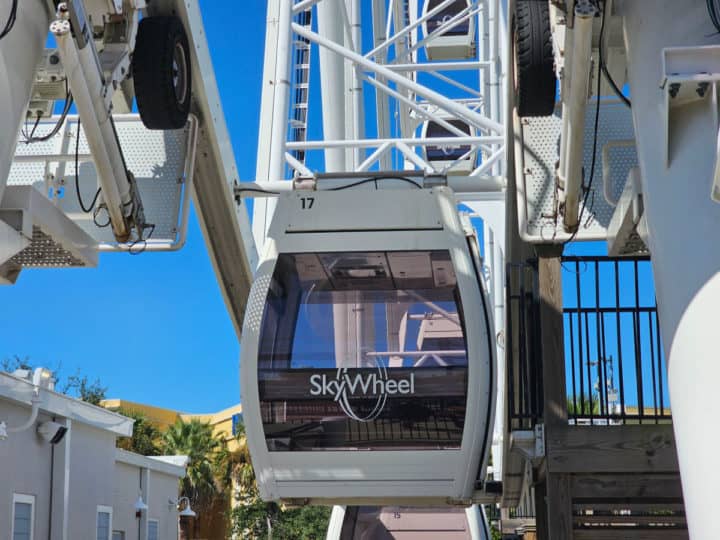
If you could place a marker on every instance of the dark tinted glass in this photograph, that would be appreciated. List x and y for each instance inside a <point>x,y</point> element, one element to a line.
<point>446,14</point>
<point>363,351</point>
<point>447,152</point>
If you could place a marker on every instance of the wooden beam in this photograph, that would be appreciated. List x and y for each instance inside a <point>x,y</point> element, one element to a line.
<point>655,488</point>
<point>541,520</point>
<point>611,449</point>
<point>559,507</point>
<point>657,533</point>
<point>552,337</point>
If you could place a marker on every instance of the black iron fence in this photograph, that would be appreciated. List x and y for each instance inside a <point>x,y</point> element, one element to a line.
<point>522,345</point>
<point>615,366</point>
<point>614,361</point>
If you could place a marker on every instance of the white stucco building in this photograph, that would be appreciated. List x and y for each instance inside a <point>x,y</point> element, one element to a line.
<point>62,478</point>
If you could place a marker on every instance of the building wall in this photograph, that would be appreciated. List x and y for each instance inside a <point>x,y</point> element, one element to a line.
<point>24,468</point>
<point>158,489</point>
<point>127,485</point>
<point>92,462</point>
<point>220,421</point>
<point>162,488</point>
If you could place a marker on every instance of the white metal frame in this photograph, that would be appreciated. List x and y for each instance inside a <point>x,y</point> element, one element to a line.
<point>55,164</point>
<point>392,70</point>
<point>23,499</point>
<point>386,475</point>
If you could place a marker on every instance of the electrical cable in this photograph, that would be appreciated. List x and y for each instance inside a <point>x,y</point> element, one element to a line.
<point>614,86</point>
<point>340,188</point>
<point>714,12</point>
<point>375,179</point>
<point>54,131</point>
<point>88,209</point>
<point>142,241</point>
<point>11,20</point>
<point>588,188</point>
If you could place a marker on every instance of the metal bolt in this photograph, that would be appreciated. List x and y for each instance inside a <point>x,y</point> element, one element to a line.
<point>528,171</point>
<point>54,59</point>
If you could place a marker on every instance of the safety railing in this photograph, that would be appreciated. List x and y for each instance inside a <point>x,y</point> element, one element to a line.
<point>614,362</point>
<point>615,366</point>
<point>523,350</point>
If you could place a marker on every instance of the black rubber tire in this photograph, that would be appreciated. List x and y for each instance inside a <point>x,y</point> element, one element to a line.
<point>535,79</point>
<point>157,46</point>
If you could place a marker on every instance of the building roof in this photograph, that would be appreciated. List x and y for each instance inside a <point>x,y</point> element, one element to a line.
<point>21,392</point>
<point>171,465</point>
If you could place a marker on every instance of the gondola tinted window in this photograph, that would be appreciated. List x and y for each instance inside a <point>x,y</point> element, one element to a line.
<point>447,14</point>
<point>363,351</point>
<point>447,152</point>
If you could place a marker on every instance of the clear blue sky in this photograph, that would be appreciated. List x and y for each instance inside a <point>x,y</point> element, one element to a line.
<point>153,328</point>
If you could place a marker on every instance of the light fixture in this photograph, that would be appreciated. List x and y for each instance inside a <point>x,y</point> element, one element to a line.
<point>51,432</point>
<point>140,505</point>
<point>3,431</point>
<point>43,378</point>
<point>185,512</point>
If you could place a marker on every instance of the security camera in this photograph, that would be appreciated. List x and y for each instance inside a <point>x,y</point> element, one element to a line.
<point>51,432</point>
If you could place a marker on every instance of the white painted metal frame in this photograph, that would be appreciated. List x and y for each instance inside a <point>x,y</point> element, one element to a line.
<point>354,476</point>
<point>392,70</point>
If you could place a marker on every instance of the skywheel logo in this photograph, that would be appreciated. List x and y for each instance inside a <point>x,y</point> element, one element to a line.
<point>347,385</point>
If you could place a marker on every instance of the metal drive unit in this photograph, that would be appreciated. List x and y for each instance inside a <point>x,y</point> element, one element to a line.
<point>367,362</point>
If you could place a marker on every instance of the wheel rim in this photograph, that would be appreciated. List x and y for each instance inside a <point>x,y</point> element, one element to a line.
<point>180,74</point>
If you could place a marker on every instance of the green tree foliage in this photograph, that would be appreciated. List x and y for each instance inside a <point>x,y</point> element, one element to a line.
<point>196,440</point>
<point>305,523</point>
<point>254,519</point>
<point>205,482</point>
<point>582,405</point>
<point>146,437</point>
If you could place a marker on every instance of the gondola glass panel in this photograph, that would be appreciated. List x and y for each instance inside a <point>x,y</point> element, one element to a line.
<point>369,353</point>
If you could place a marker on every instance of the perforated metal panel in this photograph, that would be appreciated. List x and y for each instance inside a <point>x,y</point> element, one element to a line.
<point>539,146</point>
<point>161,162</point>
<point>45,252</point>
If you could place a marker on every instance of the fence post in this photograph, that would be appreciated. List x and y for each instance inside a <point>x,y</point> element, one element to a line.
<point>558,504</point>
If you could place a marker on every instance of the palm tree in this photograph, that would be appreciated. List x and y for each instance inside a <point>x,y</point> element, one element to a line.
<point>208,457</point>
<point>242,472</point>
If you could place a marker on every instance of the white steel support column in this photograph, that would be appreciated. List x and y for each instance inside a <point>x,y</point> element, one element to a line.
<point>355,116</point>
<point>382,102</point>
<point>274,109</point>
<point>20,51</point>
<point>332,71</point>
<point>573,135</point>
<point>683,222</point>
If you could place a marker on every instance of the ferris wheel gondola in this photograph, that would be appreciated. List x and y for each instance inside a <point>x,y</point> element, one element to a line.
<point>367,365</point>
<point>455,38</point>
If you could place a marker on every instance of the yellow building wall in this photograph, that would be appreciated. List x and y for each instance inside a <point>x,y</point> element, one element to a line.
<point>221,421</point>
